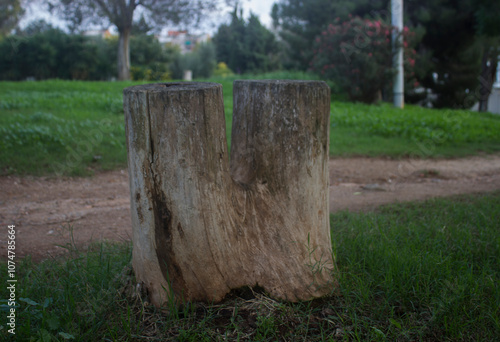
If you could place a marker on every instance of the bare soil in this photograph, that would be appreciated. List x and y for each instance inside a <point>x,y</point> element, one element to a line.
<point>50,213</point>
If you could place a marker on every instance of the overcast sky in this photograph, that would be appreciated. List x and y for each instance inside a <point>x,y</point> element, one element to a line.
<point>262,8</point>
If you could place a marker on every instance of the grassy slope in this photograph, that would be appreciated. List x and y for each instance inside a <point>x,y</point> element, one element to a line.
<point>73,128</point>
<point>61,127</point>
<point>375,130</point>
<point>427,271</point>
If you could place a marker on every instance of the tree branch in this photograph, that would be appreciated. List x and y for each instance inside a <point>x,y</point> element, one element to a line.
<point>106,11</point>
<point>132,5</point>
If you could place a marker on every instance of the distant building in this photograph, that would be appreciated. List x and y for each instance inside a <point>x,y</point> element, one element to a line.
<point>183,39</point>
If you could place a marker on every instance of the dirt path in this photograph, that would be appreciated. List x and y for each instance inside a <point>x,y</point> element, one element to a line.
<point>48,211</point>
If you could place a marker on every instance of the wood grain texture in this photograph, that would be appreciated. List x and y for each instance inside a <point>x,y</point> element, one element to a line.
<point>202,227</point>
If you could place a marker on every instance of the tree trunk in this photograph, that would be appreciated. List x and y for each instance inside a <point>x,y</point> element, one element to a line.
<point>202,227</point>
<point>124,55</point>
<point>489,64</point>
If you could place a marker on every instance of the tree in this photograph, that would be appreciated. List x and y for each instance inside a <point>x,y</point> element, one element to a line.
<point>489,65</point>
<point>357,55</point>
<point>42,51</point>
<point>300,22</point>
<point>141,27</point>
<point>451,43</point>
<point>207,56</point>
<point>203,226</point>
<point>488,16</point>
<point>201,61</point>
<point>247,46</point>
<point>451,31</point>
<point>120,13</point>
<point>229,43</point>
<point>37,27</point>
<point>21,58</point>
<point>261,47</point>
<point>10,14</point>
<point>150,59</point>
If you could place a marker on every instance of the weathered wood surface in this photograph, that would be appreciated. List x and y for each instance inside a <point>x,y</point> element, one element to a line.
<point>202,227</point>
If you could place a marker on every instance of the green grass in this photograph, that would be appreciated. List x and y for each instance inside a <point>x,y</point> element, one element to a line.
<point>424,271</point>
<point>61,127</point>
<point>71,296</point>
<point>74,128</point>
<point>375,130</point>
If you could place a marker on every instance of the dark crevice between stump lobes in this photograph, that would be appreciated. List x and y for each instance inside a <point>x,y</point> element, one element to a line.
<point>163,222</point>
<point>164,241</point>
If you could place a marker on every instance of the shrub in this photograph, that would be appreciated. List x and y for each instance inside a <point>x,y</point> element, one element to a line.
<point>43,52</point>
<point>53,54</point>
<point>201,61</point>
<point>357,55</point>
<point>222,70</point>
<point>155,72</point>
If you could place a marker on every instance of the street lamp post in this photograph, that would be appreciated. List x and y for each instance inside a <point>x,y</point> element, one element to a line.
<point>397,45</point>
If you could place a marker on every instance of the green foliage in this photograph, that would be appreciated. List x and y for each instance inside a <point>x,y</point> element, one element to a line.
<point>207,60</point>
<point>222,70</point>
<point>53,54</point>
<point>247,47</point>
<point>452,41</point>
<point>153,72</point>
<point>201,61</point>
<point>300,22</point>
<point>10,14</point>
<point>457,84</point>
<point>141,27</point>
<point>43,52</point>
<point>36,27</point>
<point>487,17</point>
<point>409,272</point>
<point>449,48</point>
<point>105,57</point>
<point>150,60</point>
<point>159,13</point>
<point>358,55</point>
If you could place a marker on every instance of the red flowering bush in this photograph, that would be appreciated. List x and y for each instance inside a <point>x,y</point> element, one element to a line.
<point>357,54</point>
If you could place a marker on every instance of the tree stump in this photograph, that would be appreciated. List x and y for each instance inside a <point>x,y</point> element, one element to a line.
<point>202,227</point>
